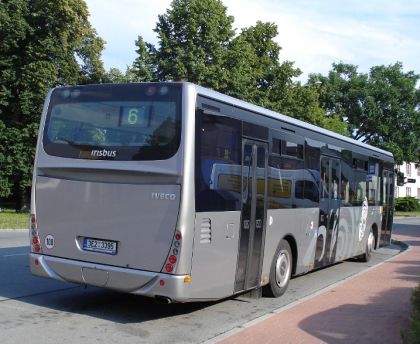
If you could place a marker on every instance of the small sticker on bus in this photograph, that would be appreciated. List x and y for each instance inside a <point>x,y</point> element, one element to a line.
<point>49,241</point>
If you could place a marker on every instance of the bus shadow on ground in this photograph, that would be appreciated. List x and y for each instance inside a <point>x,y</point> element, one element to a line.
<point>114,306</point>
<point>18,283</point>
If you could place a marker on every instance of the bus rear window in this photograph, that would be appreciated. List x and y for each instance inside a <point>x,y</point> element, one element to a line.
<point>118,122</point>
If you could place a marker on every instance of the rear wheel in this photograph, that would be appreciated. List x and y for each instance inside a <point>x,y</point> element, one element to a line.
<point>280,272</point>
<point>370,244</point>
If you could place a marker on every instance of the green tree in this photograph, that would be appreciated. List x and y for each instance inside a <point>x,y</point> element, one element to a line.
<point>144,66</point>
<point>382,107</point>
<point>255,73</point>
<point>196,43</point>
<point>193,36</point>
<point>43,43</point>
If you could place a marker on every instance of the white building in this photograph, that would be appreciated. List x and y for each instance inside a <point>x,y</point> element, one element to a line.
<point>409,189</point>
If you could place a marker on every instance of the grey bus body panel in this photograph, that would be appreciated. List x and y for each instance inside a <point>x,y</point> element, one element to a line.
<point>121,279</point>
<point>142,226</point>
<point>301,224</point>
<point>215,254</point>
<point>187,206</point>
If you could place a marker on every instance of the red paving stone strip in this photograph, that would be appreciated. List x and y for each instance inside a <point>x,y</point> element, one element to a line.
<point>370,308</point>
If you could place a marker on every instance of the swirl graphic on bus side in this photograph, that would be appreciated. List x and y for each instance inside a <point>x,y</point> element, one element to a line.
<point>363,219</point>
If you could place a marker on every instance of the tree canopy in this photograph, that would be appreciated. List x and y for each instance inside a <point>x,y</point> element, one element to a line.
<point>43,43</point>
<point>197,43</point>
<point>382,107</point>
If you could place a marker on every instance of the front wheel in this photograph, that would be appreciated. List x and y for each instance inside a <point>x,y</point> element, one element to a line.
<point>370,244</point>
<point>280,272</point>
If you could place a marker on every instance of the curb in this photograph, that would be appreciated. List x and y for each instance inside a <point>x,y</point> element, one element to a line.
<point>402,244</point>
<point>404,217</point>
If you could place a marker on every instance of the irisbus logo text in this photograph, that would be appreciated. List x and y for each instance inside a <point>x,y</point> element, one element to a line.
<point>103,153</point>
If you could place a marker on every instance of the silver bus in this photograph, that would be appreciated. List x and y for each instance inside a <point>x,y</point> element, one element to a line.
<point>180,193</point>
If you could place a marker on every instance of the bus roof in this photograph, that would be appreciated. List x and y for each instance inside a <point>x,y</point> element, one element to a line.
<point>258,109</point>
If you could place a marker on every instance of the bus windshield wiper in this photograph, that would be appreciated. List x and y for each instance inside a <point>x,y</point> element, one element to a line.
<point>77,145</point>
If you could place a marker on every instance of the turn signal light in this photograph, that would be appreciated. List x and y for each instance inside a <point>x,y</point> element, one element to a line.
<point>172,259</point>
<point>36,242</point>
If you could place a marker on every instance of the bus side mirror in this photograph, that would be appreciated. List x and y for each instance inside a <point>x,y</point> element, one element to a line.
<point>400,179</point>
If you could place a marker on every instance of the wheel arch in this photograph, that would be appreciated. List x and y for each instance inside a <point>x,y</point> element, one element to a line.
<point>293,246</point>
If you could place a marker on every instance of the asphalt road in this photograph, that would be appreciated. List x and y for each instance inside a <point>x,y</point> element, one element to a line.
<point>44,311</point>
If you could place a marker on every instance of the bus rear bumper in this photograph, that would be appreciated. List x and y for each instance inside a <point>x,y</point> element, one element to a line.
<point>172,288</point>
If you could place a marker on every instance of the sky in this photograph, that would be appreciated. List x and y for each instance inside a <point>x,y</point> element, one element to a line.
<point>312,33</point>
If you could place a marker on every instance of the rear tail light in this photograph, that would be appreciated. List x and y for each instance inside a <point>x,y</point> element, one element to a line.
<point>35,241</point>
<point>172,259</point>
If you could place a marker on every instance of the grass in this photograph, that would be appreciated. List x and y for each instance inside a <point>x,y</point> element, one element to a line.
<point>10,219</point>
<point>412,333</point>
<point>407,213</point>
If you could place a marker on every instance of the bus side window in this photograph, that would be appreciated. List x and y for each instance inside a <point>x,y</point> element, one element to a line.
<point>359,187</point>
<point>325,182</point>
<point>218,166</point>
<point>345,190</point>
<point>311,191</point>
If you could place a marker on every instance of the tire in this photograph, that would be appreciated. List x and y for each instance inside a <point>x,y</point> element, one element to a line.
<point>280,271</point>
<point>370,244</point>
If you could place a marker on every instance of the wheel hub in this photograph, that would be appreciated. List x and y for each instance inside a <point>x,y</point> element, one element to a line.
<point>370,242</point>
<point>282,268</point>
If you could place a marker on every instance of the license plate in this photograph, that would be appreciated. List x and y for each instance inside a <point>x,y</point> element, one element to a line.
<point>98,245</point>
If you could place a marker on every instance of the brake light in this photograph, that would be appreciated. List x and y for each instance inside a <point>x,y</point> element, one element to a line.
<point>174,252</point>
<point>35,241</point>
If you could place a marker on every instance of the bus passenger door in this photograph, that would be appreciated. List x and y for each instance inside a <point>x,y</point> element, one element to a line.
<point>252,232</point>
<point>387,212</point>
<point>329,212</point>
